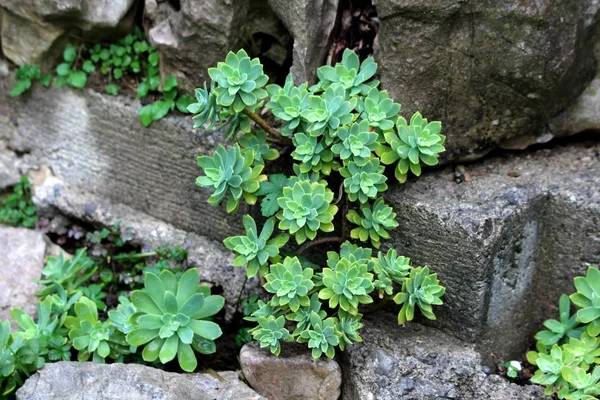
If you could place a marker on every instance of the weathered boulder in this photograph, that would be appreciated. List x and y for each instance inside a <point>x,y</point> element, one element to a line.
<point>215,27</point>
<point>419,363</point>
<point>96,145</point>
<point>26,41</point>
<point>311,23</point>
<point>22,253</point>
<point>293,375</point>
<point>79,380</point>
<point>194,37</point>
<point>32,29</point>
<point>507,243</point>
<point>490,70</point>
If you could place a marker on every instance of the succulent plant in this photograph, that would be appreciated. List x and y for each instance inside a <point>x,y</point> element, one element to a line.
<point>46,325</point>
<point>420,289</point>
<point>69,273</point>
<point>326,113</point>
<point>585,350</point>
<point>389,269</point>
<point>348,326</point>
<point>588,299</point>
<point>205,108</point>
<point>350,73</point>
<point>352,253</point>
<point>172,318</point>
<point>270,332</point>
<point>89,335</point>
<point>419,141</point>
<point>347,285</point>
<point>8,381</point>
<point>121,317</point>
<point>560,330</point>
<point>230,173</point>
<point>586,385</point>
<point>549,370</point>
<point>305,209</point>
<point>255,250</point>
<point>322,336</point>
<point>288,103</point>
<point>239,80</point>
<point>302,315</point>
<point>290,284</point>
<point>313,154</point>
<point>374,223</point>
<point>356,144</point>
<point>364,182</point>
<point>258,143</point>
<point>378,110</point>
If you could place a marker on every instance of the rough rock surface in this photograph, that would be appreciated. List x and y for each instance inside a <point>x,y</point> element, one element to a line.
<point>76,380</point>
<point>293,375</point>
<point>95,144</point>
<point>210,25</point>
<point>26,41</point>
<point>311,23</point>
<point>418,363</point>
<point>32,29</point>
<point>507,243</point>
<point>490,70</point>
<point>216,27</point>
<point>22,253</point>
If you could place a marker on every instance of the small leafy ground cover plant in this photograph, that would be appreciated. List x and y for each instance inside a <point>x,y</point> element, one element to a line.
<point>339,136</point>
<point>568,350</point>
<point>26,75</point>
<point>16,208</point>
<point>113,307</point>
<point>130,63</point>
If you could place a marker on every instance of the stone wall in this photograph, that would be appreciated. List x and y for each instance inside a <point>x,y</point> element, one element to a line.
<point>505,244</point>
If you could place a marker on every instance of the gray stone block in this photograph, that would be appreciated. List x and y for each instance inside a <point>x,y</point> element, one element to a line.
<point>507,243</point>
<point>95,144</point>
<point>86,380</point>
<point>418,363</point>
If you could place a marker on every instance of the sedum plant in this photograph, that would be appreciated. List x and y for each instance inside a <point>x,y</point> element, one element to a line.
<point>305,209</point>
<point>230,173</point>
<point>171,320</point>
<point>374,223</point>
<point>254,250</point>
<point>420,289</point>
<point>323,151</point>
<point>412,144</point>
<point>568,350</point>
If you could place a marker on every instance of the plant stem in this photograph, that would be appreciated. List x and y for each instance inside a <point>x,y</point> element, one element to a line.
<point>237,303</point>
<point>275,136</point>
<point>318,242</point>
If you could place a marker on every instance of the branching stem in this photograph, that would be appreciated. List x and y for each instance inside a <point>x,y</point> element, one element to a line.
<point>274,135</point>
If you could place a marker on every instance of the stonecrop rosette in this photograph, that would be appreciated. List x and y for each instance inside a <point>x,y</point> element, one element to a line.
<point>172,318</point>
<point>305,209</point>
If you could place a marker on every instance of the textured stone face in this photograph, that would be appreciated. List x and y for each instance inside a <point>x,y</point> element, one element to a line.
<point>22,253</point>
<point>420,363</point>
<point>32,30</point>
<point>78,380</point>
<point>97,145</point>
<point>506,244</point>
<point>490,70</point>
<point>311,23</point>
<point>293,375</point>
